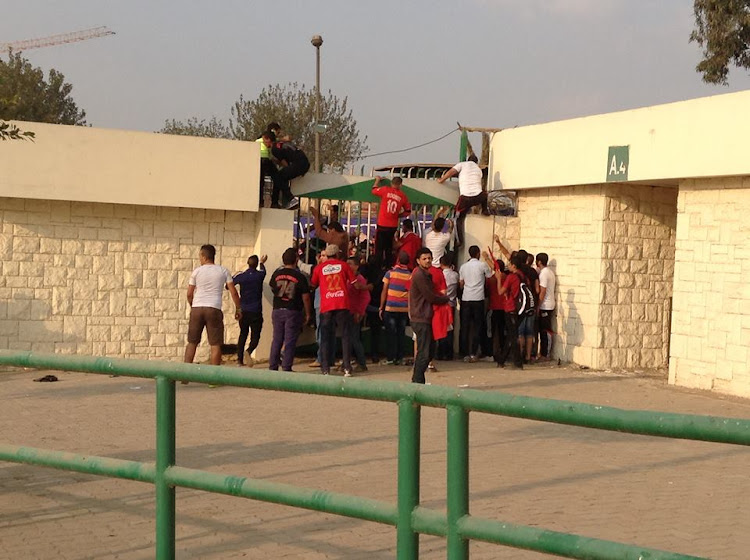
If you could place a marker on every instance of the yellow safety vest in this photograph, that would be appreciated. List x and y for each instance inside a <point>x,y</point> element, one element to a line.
<point>264,151</point>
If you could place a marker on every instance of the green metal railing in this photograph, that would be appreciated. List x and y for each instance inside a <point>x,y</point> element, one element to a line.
<point>409,518</point>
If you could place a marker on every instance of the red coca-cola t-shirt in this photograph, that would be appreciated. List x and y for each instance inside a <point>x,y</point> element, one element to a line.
<point>333,277</point>
<point>392,203</point>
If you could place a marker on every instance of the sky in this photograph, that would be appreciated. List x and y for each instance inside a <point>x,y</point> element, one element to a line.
<point>410,70</point>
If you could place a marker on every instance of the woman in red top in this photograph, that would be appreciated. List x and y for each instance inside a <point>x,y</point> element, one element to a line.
<point>509,290</point>
<point>497,307</point>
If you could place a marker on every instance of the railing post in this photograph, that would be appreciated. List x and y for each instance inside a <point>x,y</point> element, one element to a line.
<point>409,417</point>
<point>165,458</point>
<point>458,480</point>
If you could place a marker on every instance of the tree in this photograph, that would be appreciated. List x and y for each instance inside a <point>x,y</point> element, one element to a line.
<point>25,95</point>
<point>9,131</point>
<point>722,28</point>
<point>213,128</point>
<point>293,106</point>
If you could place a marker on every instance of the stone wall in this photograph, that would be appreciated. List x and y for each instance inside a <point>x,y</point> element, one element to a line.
<point>567,224</point>
<point>109,279</point>
<point>710,346</point>
<point>612,249</point>
<point>637,273</point>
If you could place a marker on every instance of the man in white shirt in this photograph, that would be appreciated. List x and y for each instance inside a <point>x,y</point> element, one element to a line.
<point>445,345</point>
<point>472,274</point>
<point>546,308</point>
<point>470,191</point>
<point>204,292</point>
<point>436,240</point>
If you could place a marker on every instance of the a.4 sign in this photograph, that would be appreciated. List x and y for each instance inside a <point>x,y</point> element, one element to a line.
<point>618,161</point>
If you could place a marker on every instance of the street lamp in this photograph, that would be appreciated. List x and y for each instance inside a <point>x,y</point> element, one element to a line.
<point>317,41</point>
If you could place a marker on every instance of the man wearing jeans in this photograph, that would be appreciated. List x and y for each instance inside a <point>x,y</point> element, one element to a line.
<point>509,289</point>
<point>334,276</point>
<point>422,296</point>
<point>472,274</point>
<point>546,306</point>
<point>394,308</point>
<point>294,163</point>
<point>291,293</point>
<point>251,295</point>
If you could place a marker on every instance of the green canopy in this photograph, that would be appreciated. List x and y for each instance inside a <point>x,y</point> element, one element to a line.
<point>362,192</point>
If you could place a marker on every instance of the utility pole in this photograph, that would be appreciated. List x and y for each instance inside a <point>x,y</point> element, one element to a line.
<point>317,41</point>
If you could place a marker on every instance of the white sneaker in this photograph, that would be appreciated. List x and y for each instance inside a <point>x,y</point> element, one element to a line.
<point>249,362</point>
<point>293,204</point>
<point>347,373</point>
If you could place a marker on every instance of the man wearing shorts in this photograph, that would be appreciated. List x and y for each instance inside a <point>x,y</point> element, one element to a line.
<point>470,192</point>
<point>204,292</point>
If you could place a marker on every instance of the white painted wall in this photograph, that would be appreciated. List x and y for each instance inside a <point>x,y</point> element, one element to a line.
<point>703,137</point>
<point>84,164</point>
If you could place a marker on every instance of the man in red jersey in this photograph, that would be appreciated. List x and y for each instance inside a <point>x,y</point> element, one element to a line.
<point>393,205</point>
<point>334,276</point>
<point>409,242</point>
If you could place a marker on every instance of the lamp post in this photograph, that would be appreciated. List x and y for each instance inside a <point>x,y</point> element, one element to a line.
<point>317,41</point>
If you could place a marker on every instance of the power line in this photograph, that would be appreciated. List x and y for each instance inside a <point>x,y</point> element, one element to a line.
<point>412,148</point>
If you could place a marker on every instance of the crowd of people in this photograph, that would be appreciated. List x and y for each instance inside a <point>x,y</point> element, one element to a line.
<point>506,307</point>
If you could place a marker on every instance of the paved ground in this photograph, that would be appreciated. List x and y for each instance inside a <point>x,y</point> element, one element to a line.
<point>682,496</point>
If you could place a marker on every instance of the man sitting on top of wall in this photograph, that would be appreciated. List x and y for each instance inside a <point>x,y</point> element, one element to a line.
<point>293,163</point>
<point>470,192</point>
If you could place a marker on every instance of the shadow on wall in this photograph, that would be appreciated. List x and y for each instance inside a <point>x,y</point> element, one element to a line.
<point>30,324</point>
<point>572,329</point>
<point>662,212</point>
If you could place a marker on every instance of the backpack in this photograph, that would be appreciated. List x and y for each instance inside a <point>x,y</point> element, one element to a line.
<point>524,299</point>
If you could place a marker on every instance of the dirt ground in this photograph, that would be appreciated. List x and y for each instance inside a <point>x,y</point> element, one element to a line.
<point>676,495</point>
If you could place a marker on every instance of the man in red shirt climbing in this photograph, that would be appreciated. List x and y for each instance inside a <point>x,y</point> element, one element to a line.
<point>393,205</point>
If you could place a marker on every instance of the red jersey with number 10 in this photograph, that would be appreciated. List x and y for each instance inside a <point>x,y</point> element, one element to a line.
<point>392,203</point>
<point>333,276</point>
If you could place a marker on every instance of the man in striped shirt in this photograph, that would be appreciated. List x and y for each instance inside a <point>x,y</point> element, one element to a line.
<point>394,307</point>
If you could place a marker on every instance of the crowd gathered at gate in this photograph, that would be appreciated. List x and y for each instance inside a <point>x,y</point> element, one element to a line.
<point>505,305</point>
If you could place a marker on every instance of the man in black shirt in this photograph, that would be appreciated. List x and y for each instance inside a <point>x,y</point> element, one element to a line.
<point>374,275</point>
<point>291,294</point>
<point>250,283</point>
<point>294,163</point>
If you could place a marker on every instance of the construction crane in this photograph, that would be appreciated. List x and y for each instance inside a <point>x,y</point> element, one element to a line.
<point>61,39</point>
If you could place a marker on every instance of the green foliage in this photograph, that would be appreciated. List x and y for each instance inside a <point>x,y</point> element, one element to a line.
<point>9,131</point>
<point>213,128</point>
<point>293,106</point>
<point>722,28</point>
<point>25,95</point>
